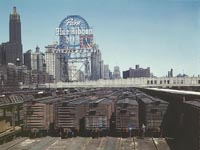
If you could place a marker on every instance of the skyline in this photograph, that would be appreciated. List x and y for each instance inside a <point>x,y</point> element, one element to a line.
<point>128,33</point>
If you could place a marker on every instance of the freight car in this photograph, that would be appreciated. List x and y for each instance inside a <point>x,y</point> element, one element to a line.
<point>191,125</point>
<point>39,115</point>
<point>151,113</point>
<point>70,116</point>
<point>98,116</point>
<point>127,116</point>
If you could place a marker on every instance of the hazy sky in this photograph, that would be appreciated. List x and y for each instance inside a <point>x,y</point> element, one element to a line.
<point>160,34</point>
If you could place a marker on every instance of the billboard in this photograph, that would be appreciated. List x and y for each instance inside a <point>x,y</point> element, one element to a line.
<point>74,33</point>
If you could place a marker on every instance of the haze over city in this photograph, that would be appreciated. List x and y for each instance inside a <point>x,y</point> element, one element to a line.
<point>158,34</point>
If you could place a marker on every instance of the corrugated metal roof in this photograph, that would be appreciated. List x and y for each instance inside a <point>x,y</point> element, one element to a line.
<point>127,101</point>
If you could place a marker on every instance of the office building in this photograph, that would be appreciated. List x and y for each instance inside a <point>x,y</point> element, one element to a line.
<point>137,72</point>
<point>37,60</point>
<point>116,73</point>
<point>170,73</point>
<point>96,65</point>
<point>53,62</point>
<point>27,59</point>
<point>11,52</point>
<point>106,72</point>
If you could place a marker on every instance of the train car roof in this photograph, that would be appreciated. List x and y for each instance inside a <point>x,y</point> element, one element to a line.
<point>195,103</point>
<point>175,91</point>
<point>127,101</point>
<point>148,99</point>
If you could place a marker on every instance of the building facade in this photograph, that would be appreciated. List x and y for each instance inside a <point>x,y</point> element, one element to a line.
<point>137,72</point>
<point>106,72</point>
<point>53,63</point>
<point>116,73</point>
<point>96,69</point>
<point>37,60</point>
<point>27,59</point>
<point>11,52</point>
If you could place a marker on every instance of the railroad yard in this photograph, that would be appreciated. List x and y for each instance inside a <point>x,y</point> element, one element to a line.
<point>102,119</point>
<point>83,143</point>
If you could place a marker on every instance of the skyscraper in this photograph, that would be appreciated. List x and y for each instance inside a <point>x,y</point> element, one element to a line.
<point>106,72</point>
<point>96,64</point>
<point>37,60</point>
<point>53,62</point>
<point>116,73</point>
<point>11,52</point>
<point>15,27</point>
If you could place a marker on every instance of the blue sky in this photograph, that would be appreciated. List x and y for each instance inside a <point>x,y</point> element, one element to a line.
<point>160,34</point>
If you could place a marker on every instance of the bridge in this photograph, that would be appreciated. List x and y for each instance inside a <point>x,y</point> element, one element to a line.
<point>130,82</point>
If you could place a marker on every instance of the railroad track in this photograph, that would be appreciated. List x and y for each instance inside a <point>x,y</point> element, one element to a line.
<point>147,143</point>
<point>12,144</point>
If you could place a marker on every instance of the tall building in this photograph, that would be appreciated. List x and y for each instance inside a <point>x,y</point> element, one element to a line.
<point>106,72</point>
<point>27,59</point>
<point>96,64</point>
<point>11,52</point>
<point>53,63</point>
<point>170,73</point>
<point>34,60</point>
<point>137,72</point>
<point>12,79</point>
<point>116,73</point>
<point>37,60</point>
<point>101,69</point>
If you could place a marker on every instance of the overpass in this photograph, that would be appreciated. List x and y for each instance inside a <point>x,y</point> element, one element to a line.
<point>130,82</point>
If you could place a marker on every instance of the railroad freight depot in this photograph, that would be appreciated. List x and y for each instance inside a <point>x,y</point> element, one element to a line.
<point>99,113</point>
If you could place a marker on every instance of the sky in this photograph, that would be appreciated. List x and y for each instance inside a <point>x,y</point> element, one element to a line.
<point>160,34</point>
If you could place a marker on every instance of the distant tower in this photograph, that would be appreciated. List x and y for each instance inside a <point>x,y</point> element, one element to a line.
<point>116,73</point>
<point>15,27</point>
<point>12,50</point>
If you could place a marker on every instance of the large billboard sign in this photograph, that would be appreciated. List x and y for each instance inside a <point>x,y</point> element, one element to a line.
<point>74,33</point>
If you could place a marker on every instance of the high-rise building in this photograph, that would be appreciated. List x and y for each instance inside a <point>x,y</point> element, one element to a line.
<point>96,64</point>
<point>137,72</point>
<point>11,52</point>
<point>34,60</point>
<point>37,60</point>
<point>27,59</point>
<point>106,72</point>
<point>170,73</point>
<point>12,80</point>
<point>116,73</point>
<point>53,63</point>
<point>101,69</point>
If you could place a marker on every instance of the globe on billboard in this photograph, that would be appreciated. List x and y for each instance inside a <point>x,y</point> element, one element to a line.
<point>74,33</point>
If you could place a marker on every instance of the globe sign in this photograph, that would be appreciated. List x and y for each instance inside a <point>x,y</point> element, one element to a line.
<point>74,33</point>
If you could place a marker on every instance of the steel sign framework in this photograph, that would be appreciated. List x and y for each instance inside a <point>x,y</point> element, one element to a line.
<point>75,45</point>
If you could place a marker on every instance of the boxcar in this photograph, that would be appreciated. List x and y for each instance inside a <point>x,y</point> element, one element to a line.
<point>191,125</point>
<point>70,116</point>
<point>39,115</point>
<point>127,115</point>
<point>98,116</point>
<point>151,112</point>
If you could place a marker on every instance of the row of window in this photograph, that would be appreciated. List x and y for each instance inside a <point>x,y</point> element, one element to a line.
<point>165,82</point>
